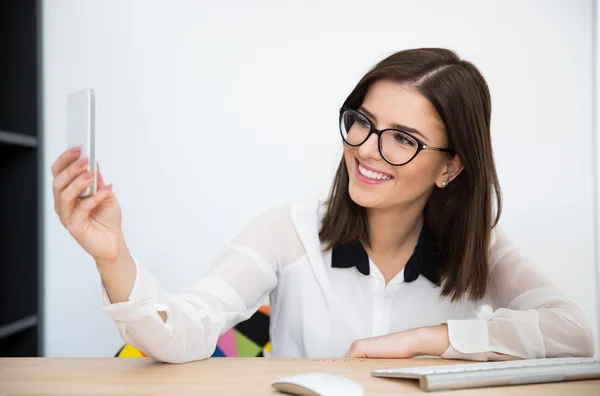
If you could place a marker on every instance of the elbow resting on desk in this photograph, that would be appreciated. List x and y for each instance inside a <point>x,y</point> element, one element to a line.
<point>587,347</point>
<point>173,333</point>
<point>566,331</point>
<point>176,357</point>
<point>171,345</point>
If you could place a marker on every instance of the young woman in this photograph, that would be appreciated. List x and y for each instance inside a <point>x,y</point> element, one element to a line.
<point>396,263</point>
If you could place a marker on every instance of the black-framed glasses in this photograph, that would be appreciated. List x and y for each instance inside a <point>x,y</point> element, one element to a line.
<point>396,147</point>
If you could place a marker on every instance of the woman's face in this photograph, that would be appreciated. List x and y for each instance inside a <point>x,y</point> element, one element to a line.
<point>374,183</point>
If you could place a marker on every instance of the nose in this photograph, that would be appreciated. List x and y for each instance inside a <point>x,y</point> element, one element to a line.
<point>370,148</point>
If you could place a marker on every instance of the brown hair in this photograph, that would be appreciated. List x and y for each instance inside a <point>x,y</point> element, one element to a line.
<point>459,216</point>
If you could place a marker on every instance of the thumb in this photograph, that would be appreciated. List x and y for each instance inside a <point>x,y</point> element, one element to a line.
<point>100,178</point>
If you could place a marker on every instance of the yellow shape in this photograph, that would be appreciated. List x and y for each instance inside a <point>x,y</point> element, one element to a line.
<point>130,351</point>
<point>268,347</point>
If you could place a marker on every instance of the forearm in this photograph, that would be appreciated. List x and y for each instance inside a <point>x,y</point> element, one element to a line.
<point>118,276</point>
<point>432,340</point>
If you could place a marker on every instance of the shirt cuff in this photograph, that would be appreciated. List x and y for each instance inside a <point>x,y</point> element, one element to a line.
<point>469,339</point>
<point>141,301</point>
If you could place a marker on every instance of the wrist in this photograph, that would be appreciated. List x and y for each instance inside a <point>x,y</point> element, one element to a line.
<point>122,255</point>
<point>432,340</point>
<point>118,276</point>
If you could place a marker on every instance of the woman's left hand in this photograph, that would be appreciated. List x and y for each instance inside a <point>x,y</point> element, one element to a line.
<point>405,344</point>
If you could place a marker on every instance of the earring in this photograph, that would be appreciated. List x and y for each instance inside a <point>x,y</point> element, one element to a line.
<point>444,183</point>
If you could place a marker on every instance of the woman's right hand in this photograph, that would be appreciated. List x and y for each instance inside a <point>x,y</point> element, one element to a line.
<point>95,221</point>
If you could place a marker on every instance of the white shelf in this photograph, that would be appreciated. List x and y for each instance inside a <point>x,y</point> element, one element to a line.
<point>17,139</point>
<point>17,326</point>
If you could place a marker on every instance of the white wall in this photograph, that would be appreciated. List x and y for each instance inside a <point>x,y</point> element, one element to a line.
<point>596,148</point>
<point>194,102</point>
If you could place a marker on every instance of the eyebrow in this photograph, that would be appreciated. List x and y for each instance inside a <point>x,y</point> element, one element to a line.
<point>394,125</point>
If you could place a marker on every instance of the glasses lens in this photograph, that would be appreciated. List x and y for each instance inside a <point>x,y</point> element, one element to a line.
<point>354,127</point>
<point>398,147</point>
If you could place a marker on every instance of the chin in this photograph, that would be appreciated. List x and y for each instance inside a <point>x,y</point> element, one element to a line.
<point>366,199</point>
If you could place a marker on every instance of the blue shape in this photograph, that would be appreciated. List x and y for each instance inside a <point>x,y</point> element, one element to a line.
<point>218,353</point>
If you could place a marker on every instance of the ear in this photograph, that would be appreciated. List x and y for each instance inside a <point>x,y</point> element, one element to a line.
<point>450,171</point>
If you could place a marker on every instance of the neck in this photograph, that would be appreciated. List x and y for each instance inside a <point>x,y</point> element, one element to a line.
<point>390,229</point>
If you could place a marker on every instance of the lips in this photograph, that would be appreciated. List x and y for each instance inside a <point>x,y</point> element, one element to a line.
<point>370,175</point>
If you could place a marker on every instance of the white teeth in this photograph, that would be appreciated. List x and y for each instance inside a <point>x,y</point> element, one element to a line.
<point>372,175</point>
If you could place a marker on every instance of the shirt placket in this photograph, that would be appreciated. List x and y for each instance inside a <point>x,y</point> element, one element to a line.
<point>382,301</point>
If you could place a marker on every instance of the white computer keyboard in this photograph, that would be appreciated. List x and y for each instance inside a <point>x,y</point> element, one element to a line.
<point>514,372</point>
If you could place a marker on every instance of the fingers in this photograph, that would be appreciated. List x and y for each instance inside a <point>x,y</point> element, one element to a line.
<point>64,160</point>
<point>65,178</point>
<point>87,205</point>
<point>70,180</point>
<point>67,197</point>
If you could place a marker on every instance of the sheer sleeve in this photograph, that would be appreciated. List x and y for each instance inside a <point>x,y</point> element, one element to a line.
<point>231,290</point>
<point>531,317</point>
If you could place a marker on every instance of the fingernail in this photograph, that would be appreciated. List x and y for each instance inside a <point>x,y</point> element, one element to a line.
<point>75,149</point>
<point>88,174</point>
<point>82,161</point>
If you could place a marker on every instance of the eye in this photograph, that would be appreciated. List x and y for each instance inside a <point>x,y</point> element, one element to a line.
<point>363,123</point>
<point>404,140</point>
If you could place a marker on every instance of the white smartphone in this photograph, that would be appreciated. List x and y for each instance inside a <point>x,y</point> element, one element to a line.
<point>81,130</point>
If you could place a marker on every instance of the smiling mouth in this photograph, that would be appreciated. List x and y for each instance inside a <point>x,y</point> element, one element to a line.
<point>370,175</point>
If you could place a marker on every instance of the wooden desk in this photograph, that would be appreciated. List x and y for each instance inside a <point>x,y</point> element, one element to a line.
<point>224,376</point>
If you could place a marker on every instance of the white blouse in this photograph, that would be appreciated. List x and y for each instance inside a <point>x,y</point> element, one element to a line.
<point>318,310</point>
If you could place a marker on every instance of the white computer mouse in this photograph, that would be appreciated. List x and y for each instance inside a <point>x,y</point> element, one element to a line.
<point>318,384</point>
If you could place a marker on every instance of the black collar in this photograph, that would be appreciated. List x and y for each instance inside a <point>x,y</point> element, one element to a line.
<point>424,260</point>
